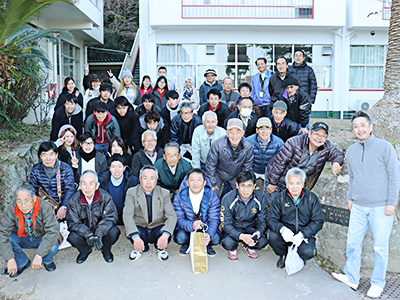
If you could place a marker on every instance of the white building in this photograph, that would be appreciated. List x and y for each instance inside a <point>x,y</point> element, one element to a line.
<point>346,43</point>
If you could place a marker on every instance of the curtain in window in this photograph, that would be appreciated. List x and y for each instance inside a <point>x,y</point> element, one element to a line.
<point>166,54</point>
<point>356,77</point>
<point>374,55</point>
<point>357,54</point>
<point>374,77</point>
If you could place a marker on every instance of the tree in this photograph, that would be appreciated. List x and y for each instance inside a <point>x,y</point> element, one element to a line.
<point>385,114</point>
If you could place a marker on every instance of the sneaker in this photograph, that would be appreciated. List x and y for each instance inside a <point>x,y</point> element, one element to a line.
<point>233,255</point>
<point>4,271</point>
<point>280,264</point>
<point>343,278</point>
<point>184,250</point>
<point>135,255</point>
<point>161,254</point>
<point>251,253</point>
<point>374,291</point>
<point>210,251</point>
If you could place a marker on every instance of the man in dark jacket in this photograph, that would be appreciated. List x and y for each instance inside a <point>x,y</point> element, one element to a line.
<point>281,126</point>
<point>196,205</point>
<point>171,109</point>
<point>244,217</point>
<point>148,155</point>
<point>214,104</point>
<point>116,181</point>
<point>246,115</point>
<point>92,219</point>
<point>151,121</point>
<point>265,145</point>
<point>105,93</point>
<point>126,117</point>
<point>228,156</point>
<point>148,104</point>
<point>70,113</point>
<point>28,222</point>
<point>305,73</point>
<point>172,168</point>
<point>295,216</point>
<point>275,86</point>
<point>44,176</point>
<point>308,152</point>
<point>210,83</point>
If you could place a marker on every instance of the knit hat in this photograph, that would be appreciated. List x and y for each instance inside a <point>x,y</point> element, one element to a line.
<point>234,123</point>
<point>64,127</point>
<point>264,122</point>
<point>210,71</point>
<point>126,72</point>
<point>290,81</point>
<point>280,105</point>
<point>320,125</point>
<point>106,87</point>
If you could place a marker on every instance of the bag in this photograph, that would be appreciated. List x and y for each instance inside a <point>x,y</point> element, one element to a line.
<point>198,253</point>
<point>45,196</point>
<point>64,232</point>
<point>293,261</point>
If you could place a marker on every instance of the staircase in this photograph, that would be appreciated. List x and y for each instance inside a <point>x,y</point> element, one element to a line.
<point>131,60</point>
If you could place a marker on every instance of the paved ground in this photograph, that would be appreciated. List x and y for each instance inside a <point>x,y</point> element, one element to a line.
<point>149,278</point>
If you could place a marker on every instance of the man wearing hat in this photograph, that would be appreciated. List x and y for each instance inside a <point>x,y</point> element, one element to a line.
<point>265,145</point>
<point>298,103</point>
<point>105,93</point>
<point>308,152</point>
<point>209,84</point>
<point>281,126</point>
<point>228,156</point>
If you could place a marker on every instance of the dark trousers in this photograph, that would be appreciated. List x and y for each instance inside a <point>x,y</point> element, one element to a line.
<point>224,189</point>
<point>306,250</point>
<point>182,237</point>
<point>230,244</point>
<point>265,111</point>
<point>150,235</point>
<point>81,244</point>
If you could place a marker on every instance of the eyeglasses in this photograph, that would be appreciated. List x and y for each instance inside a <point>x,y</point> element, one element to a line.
<point>149,141</point>
<point>322,136</point>
<point>186,113</point>
<point>87,143</point>
<point>246,186</point>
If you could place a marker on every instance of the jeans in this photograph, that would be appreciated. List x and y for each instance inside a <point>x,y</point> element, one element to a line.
<point>18,243</point>
<point>299,127</point>
<point>103,147</point>
<point>182,237</point>
<point>361,218</point>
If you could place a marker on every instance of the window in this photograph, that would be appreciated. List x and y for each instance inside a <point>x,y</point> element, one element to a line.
<point>367,67</point>
<point>67,63</point>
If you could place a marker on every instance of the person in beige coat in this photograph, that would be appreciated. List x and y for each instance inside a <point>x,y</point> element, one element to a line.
<point>148,215</point>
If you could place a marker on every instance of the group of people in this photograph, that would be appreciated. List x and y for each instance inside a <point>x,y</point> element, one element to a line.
<point>164,164</point>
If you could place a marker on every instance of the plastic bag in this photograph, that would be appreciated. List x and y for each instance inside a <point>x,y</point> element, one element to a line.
<point>293,261</point>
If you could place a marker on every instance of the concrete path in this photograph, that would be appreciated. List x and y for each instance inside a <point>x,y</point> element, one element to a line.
<point>149,278</point>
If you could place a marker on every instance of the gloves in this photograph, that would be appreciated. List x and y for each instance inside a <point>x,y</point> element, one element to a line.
<point>298,239</point>
<point>90,239</point>
<point>97,242</point>
<point>287,234</point>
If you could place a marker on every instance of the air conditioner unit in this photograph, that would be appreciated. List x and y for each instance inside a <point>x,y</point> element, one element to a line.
<point>327,51</point>
<point>210,49</point>
<point>364,105</point>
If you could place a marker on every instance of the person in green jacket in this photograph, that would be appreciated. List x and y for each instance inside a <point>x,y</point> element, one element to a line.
<point>28,222</point>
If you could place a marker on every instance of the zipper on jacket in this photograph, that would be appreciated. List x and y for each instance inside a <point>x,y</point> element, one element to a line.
<point>297,219</point>
<point>363,151</point>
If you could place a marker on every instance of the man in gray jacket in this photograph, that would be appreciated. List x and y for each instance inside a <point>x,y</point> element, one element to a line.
<point>228,156</point>
<point>371,198</point>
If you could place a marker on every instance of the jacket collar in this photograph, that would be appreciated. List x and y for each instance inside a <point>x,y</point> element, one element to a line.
<point>96,198</point>
<point>369,141</point>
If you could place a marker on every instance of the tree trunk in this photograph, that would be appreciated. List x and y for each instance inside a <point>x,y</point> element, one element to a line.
<point>385,114</point>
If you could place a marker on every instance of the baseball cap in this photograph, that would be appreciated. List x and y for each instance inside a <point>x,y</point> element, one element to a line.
<point>280,105</point>
<point>264,122</point>
<point>320,125</point>
<point>234,122</point>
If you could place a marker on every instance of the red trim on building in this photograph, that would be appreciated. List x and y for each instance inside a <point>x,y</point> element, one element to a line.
<point>366,90</point>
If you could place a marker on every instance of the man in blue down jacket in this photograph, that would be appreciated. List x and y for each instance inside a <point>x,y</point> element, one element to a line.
<point>195,204</point>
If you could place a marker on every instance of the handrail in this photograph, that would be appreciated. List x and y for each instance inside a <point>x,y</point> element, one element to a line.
<point>130,59</point>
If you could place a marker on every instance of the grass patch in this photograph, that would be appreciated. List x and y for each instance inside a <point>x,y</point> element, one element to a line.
<point>327,265</point>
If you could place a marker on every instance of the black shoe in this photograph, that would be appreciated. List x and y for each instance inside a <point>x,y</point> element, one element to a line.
<point>281,262</point>
<point>19,271</point>
<point>82,258</point>
<point>50,267</point>
<point>210,251</point>
<point>108,258</point>
<point>184,249</point>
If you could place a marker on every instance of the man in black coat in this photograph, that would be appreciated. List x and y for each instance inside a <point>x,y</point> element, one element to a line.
<point>105,93</point>
<point>214,104</point>
<point>70,113</point>
<point>281,126</point>
<point>127,119</point>
<point>171,109</point>
<point>116,181</point>
<point>246,115</point>
<point>92,218</point>
<point>295,216</point>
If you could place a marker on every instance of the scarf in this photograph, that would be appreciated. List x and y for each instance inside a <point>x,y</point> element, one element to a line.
<point>187,94</point>
<point>50,172</point>
<point>87,156</point>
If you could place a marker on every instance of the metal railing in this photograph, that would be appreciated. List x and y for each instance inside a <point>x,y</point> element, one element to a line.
<point>247,9</point>
<point>386,10</point>
<point>130,59</point>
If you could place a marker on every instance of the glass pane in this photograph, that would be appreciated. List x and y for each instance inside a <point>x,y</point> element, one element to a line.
<point>283,50</point>
<point>244,74</point>
<point>186,53</point>
<point>356,77</point>
<point>65,48</point>
<point>245,53</point>
<point>307,49</point>
<point>183,73</point>
<point>374,78</point>
<point>264,51</point>
<point>225,53</point>
<point>77,56</point>
<point>323,75</point>
<point>357,54</point>
<point>374,55</point>
<point>171,72</point>
<point>203,57</point>
<point>165,53</point>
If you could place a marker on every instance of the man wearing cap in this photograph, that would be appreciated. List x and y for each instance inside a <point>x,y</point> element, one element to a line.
<point>209,84</point>
<point>214,104</point>
<point>259,84</point>
<point>265,145</point>
<point>246,115</point>
<point>298,104</point>
<point>228,156</point>
<point>308,152</point>
<point>281,126</point>
<point>105,93</point>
